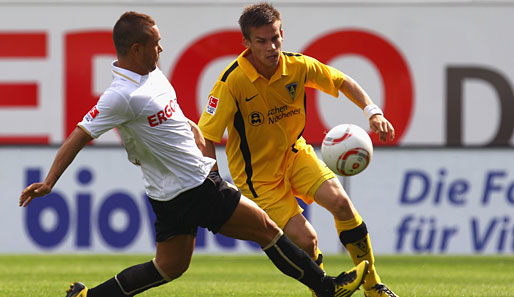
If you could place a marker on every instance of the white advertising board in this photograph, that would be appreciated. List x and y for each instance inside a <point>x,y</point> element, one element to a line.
<point>99,205</point>
<point>439,201</point>
<point>413,201</point>
<point>437,69</point>
<point>442,72</point>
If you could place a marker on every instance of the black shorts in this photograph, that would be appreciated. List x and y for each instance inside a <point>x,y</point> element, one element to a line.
<point>209,205</point>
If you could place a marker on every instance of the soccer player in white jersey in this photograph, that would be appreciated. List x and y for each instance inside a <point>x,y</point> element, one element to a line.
<point>158,138</point>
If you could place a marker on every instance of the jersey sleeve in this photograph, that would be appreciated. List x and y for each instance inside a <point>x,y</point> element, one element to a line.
<point>111,110</point>
<point>323,77</point>
<point>219,110</point>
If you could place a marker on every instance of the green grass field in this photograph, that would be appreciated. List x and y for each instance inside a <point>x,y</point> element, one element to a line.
<point>226,275</point>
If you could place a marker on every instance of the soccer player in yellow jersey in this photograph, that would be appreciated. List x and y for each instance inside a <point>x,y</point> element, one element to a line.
<point>260,99</point>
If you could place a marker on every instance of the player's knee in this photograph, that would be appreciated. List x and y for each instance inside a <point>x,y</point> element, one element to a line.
<point>174,274</point>
<point>267,233</point>
<point>271,232</point>
<point>172,269</point>
<point>341,206</point>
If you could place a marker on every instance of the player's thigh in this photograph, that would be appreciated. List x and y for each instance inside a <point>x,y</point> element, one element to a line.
<point>308,174</point>
<point>280,210</point>
<point>174,255</point>
<point>250,222</point>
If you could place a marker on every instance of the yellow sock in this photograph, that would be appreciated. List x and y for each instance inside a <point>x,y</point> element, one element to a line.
<point>354,236</point>
<point>359,251</point>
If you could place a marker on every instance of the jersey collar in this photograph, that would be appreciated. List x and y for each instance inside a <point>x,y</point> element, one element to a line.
<point>252,73</point>
<point>126,74</point>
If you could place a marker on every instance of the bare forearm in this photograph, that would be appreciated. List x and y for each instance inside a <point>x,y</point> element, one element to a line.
<point>353,91</point>
<point>69,149</point>
<point>66,154</point>
<point>210,151</point>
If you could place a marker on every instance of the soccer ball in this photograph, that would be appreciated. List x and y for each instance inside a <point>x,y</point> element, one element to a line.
<point>347,149</point>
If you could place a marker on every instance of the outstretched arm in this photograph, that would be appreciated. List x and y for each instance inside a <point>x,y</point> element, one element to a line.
<point>377,122</point>
<point>67,152</point>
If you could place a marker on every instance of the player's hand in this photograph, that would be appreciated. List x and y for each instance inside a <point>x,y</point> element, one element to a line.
<point>380,125</point>
<point>33,191</point>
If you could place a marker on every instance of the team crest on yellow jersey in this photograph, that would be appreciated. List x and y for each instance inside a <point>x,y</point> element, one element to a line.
<point>291,89</point>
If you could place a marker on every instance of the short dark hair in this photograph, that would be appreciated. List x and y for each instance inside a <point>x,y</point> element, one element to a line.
<point>257,15</point>
<point>132,27</point>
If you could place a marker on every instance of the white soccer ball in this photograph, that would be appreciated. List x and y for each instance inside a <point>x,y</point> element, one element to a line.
<point>347,149</point>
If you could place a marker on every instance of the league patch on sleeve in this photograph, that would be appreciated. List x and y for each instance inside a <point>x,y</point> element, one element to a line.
<point>212,105</point>
<point>91,114</point>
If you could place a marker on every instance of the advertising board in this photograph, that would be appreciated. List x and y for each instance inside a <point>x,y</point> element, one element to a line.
<point>442,72</point>
<point>452,201</point>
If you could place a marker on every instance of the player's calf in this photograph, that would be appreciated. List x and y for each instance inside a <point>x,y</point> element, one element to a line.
<point>295,263</point>
<point>129,282</point>
<point>139,278</point>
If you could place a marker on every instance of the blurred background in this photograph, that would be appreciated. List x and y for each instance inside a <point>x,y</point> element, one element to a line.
<point>442,71</point>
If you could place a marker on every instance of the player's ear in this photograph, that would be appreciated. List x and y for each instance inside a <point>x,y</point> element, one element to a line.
<point>246,42</point>
<point>136,47</point>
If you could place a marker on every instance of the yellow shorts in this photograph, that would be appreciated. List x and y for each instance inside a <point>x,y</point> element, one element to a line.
<point>303,176</point>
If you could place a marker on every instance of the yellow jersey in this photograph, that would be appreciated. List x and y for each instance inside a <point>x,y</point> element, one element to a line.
<point>264,118</point>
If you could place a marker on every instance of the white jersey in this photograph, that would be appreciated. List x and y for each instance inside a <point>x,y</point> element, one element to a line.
<point>155,132</point>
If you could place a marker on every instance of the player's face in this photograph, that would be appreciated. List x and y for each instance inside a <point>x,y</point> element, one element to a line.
<point>151,50</point>
<point>265,45</point>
